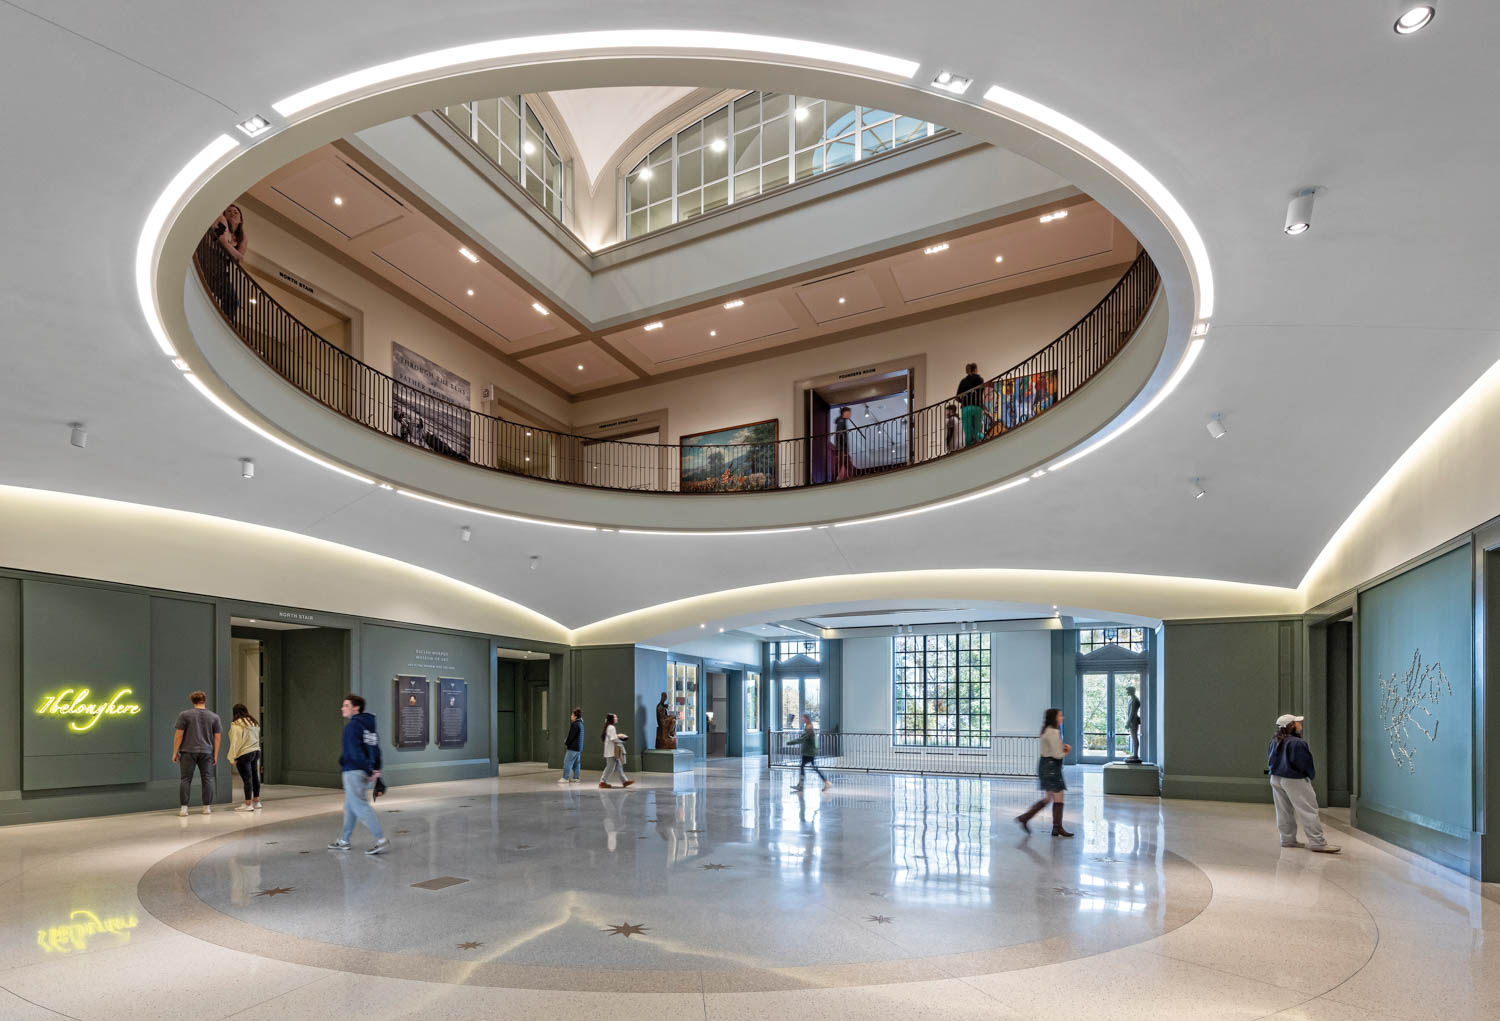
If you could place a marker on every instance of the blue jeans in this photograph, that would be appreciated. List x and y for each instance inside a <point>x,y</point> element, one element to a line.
<point>570,764</point>
<point>357,805</point>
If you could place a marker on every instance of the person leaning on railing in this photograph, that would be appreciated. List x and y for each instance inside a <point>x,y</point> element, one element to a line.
<point>970,395</point>
<point>229,231</point>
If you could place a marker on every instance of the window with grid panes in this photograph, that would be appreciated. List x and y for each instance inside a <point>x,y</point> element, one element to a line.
<point>1131,638</point>
<point>940,687</point>
<point>809,647</point>
<point>756,144</point>
<point>510,134</point>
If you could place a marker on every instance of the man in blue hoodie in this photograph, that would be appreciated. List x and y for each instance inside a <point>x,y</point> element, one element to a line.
<point>1290,764</point>
<point>359,764</point>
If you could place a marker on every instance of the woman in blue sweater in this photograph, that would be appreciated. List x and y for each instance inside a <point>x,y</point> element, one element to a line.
<point>1291,766</point>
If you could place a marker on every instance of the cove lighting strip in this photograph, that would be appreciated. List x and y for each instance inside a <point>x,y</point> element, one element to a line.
<point>1002,487</point>
<point>744,531</point>
<point>494,514</point>
<point>639,41</point>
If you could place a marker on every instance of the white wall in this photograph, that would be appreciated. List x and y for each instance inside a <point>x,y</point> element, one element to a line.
<point>726,647</point>
<point>1020,687</point>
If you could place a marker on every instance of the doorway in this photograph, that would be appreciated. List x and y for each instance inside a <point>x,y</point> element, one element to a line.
<point>799,696</point>
<point>1339,677</point>
<point>523,683</point>
<point>292,677</point>
<point>1104,703</point>
<point>879,434</point>
<point>718,713</point>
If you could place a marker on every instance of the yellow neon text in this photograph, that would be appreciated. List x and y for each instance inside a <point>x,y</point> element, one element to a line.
<point>81,927</point>
<point>74,702</point>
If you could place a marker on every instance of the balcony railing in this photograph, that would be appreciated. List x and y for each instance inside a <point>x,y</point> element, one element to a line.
<point>368,396</point>
<point>1005,755</point>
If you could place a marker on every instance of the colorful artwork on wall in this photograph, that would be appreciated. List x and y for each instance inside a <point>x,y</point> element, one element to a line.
<point>730,460</point>
<point>1016,400</point>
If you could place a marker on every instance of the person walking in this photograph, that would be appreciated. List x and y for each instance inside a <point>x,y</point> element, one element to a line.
<point>573,748</point>
<point>359,765</point>
<point>1291,765</point>
<point>1049,774</point>
<point>971,398</point>
<point>614,752</point>
<point>244,752</point>
<point>809,743</point>
<point>195,745</point>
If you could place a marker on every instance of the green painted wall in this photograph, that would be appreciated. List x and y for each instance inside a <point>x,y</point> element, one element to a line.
<point>10,689</point>
<point>1224,684</point>
<point>182,661</point>
<point>604,677</point>
<point>314,680</point>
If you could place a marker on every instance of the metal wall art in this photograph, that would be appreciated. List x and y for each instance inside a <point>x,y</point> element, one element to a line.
<point>1407,702</point>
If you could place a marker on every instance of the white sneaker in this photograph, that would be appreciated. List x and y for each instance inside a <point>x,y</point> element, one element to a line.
<point>257,804</point>
<point>208,810</point>
<point>339,845</point>
<point>244,808</point>
<point>182,811</point>
<point>562,779</point>
<point>574,780</point>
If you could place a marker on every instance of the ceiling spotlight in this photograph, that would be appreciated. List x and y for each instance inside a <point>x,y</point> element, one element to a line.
<point>465,533</point>
<point>736,303</point>
<point>841,301</point>
<point>1299,213</point>
<point>1200,329</point>
<point>1415,19</point>
<point>528,432</point>
<point>258,125</point>
<point>656,325</point>
<point>1038,473</point>
<point>79,436</point>
<point>702,625</point>
<point>645,174</point>
<point>528,147</point>
<point>950,82</point>
<point>999,258</point>
<point>934,249</point>
<point>1216,427</point>
<point>471,292</point>
<point>247,468</point>
<point>801,113</point>
<point>713,333</point>
<point>535,559</point>
<point>468,255</point>
<point>718,145</point>
<point>580,368</point>
<point>541,309</point>
<point>337,201</point>
<point>721,631</point>
<point>1198,491</point>
<point>1057,214</point>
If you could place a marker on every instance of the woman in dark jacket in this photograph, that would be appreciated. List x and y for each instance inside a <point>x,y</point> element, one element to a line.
<point>1290,763</point>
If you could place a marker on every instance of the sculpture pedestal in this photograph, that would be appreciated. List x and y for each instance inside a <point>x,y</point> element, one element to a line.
<point>666,760</point>
<point>1141,779</point>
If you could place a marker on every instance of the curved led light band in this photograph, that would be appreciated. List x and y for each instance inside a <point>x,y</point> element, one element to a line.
<point>490,513</point>
<point>646,41</point>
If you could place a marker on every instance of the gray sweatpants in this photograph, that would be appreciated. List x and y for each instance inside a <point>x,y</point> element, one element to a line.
<point>1296,801</point>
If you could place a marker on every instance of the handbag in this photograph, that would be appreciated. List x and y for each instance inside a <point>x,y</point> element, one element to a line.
<point>379,789</point>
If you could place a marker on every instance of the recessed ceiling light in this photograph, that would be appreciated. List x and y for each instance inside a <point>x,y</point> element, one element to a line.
<point>258,125</point>
<point>713,333</point>
<point>703,625</point>
<point>338,201</point>
<point>528,147</point>
<point>528,432</point>
<point>1060,214</point>
<point>541,309</point>
<point>1200,329</point>
<point>658,324</point>
<point>736,303</point>
<point>950,82</point>
<point>468,255</point>
<point>254,302</point>
<point>999,258</point>
<point>645,174</point>
<point>471,292</point>
<point>1415,19</point>
<point>934,249</point>
<point>580,368</point>
<point>718,145</point>
<point>528,459</point>
<point>841,301</point>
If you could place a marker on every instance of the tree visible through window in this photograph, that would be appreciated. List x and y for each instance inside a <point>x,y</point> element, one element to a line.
<point>1130,638</point>
<point>941,690</point>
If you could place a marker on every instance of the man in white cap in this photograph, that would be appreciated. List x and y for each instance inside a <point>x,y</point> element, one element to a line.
<point>1291,767</point>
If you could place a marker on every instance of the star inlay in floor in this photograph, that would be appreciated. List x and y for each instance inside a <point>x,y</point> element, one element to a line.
<point>711,867</point>
<point>879,919</point>
<point>468,945</point>
<point>275,891</point>
<point>625,929</point>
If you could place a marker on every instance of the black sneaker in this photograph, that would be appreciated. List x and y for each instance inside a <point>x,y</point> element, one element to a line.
<point>379,846</point>
<point>339,845</point>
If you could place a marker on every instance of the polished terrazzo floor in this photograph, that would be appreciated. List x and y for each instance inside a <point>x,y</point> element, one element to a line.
<point>728,895</point>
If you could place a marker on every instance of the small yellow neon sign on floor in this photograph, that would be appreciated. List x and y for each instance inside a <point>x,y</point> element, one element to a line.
<point>81,927</point>
<point>75,702</point>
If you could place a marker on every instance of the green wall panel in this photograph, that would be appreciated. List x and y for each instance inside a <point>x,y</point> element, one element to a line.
<point>1417,733</point>
<point>314,680</point>
<point>182,661</point>
<point>10,687</point>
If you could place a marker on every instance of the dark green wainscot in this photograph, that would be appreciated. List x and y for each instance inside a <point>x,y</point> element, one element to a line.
<point>1142,779</point>
<point>666,760</point>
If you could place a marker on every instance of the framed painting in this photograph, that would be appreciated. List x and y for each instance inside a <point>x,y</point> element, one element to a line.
<point>737,459</point>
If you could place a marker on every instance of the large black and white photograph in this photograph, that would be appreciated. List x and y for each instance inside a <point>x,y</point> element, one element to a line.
<point>430,404</point>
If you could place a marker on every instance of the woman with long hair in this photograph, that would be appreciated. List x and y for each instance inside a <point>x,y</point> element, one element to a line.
<point>229,232</point>
<point>1290,763</point>
<point>614,752</point>
<point>244,752</point>
<point>1049,774</point>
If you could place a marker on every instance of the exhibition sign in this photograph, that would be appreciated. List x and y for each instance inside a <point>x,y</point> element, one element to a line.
<point>453,712</point>
<point>73,704</point>
<point>411,711</point>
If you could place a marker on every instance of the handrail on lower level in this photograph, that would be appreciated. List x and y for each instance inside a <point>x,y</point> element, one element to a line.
<point>365,395</point>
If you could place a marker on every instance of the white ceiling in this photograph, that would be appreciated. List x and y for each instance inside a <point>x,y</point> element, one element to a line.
<point>1329,355</point>
<point>602,120</point>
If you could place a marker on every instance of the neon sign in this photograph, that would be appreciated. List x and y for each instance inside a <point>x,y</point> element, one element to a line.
<point>80,928</point>
<point>74,702</point>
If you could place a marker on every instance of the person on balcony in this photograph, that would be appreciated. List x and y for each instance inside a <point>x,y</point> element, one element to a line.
<point>229,232</point>
<point>970,397</point>
<point>953,430</point>
<point>843,464</point>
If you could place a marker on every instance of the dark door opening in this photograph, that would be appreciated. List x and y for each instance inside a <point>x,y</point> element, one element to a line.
<point>1340,653</point>
<point>879,434</point>
<point>718,713</point>
<point>520,715</point>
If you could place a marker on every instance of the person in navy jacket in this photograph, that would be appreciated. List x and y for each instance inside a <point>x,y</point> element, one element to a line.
<point>1290,763</point>
<point>359,765</point>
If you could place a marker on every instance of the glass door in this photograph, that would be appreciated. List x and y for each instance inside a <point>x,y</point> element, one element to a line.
<point>801,695</point>
<point>1119,738</point>
<point>1097,718</point>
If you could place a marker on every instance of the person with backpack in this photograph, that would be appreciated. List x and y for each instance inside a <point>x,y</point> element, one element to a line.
<point>1290,764</point>
<point>573,749</point>
<point>359,765</point>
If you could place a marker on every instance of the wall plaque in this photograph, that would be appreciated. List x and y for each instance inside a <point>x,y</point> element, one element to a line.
<point>411,711</point>
<point>453,712</point>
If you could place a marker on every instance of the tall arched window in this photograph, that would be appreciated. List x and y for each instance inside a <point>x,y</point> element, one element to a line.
<point>753,145</point>
<point>508,132</point>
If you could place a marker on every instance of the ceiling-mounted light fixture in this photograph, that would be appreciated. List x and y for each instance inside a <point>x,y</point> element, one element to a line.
<point>528,147</point>
<point>658,324</point>
<point>338,201</point>
<point>1200,329</point>
<point>465,533</point>
<point>247,468</point>
<point>713,333</point>
<point>471,292</point>
<point>541,309</point>
<point>1216,427</point>
<point>258,125</point>
<point>78,435</point>
<point>950,82</point>
<point>999,258</point>
<point>801,113</point>
<point>1198,491</point>
<point>736,303</point>
<point>1414,19</point>
<point>468,254</point>
<point>934,249</point>
<point>535,559</point>
<point>1299,212</point>
<point>1057,214</point>
<point>718,145</point>
<point>841,301</point>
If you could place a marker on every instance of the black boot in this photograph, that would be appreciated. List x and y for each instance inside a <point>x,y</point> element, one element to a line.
<point>1057,826</point>
<point>1025,817</point>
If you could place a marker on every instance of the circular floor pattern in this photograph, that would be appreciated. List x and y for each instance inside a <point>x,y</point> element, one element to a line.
<point>735,882</point>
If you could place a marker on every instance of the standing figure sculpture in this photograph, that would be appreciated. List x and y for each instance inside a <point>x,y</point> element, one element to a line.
<point>1133,721</point>
<point>666,725</point>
